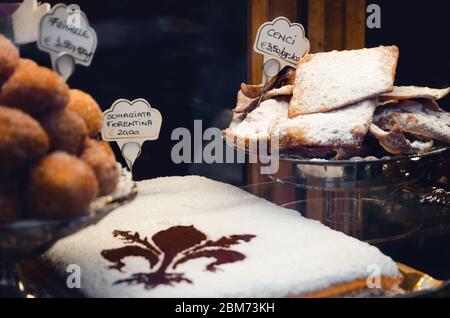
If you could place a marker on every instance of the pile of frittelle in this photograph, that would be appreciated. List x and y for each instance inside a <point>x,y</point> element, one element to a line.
<point>51,166</point>
<point>335,104</point>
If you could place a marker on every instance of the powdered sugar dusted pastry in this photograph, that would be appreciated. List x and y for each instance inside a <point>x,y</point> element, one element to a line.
<point>246,104</point>
<point>411,92</point>
<point>282,91</point>
<point>249,96</point>
<point>242,102</point>
<point>387,101</point>
<point>344,127</point>
<point>256,125</point>
<point>423,118</point>
<point>332,80</point>
<point>395,142</point>
<point>195,237</point>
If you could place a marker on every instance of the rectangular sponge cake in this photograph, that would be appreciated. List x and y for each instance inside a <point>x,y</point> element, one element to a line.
<point>195,237</point>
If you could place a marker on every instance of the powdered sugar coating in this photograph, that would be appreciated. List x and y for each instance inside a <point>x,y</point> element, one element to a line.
<point>343,127</point>
<point>290,254</point>
<point>411,92</point>
<point>258,123</point>
<point>331,80</point>
<point>416,118</point>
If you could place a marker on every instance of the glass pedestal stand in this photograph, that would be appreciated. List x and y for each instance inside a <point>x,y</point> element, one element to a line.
<point>354,196</point>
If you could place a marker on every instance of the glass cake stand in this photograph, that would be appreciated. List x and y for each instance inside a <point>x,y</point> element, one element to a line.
<point>358,174</point>
<point>362,197</point>
<point>371,220</point>
<point>27,239</point>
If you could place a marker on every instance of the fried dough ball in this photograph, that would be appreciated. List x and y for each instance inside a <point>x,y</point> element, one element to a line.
<point>66,131</point>
<point>9,58</point>
<point>85,106</point>
<point>10,203</point>
<point>22,140</point>
<point>26,63</point>
<point>61,186</point>
<point>35,90</point>
<point>100,157</point>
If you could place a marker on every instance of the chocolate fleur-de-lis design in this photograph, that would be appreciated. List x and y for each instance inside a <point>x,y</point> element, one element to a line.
<point>171,248</point>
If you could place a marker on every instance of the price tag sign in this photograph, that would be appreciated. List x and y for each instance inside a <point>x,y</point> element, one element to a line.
<point>131,120</point>
<point>282,40</point>
<point>65,32</point>
<point>130,124</point>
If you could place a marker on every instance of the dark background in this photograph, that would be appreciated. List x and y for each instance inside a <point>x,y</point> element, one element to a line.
<point>420,28</point>
<point>187,58</point>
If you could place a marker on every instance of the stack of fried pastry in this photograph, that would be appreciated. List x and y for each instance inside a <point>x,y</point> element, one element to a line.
<point>333,104</point>
<point>51,166</point>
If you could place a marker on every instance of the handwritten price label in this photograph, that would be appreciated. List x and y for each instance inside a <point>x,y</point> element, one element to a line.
<point>66,30</point>
<point>283,40</point>
<point>130,124</point>
<point>127,120</point>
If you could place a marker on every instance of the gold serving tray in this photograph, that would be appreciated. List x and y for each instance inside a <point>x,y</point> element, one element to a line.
<point>415,283</point>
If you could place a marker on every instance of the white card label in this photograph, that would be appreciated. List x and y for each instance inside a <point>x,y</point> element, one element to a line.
<point>283,40</point>
<point>66,30</point>
<point>130,124</point>
<point>26,20</point>
<point>127,120</point>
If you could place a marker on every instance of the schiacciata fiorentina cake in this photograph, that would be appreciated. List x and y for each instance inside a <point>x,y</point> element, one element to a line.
<point>180,238</point>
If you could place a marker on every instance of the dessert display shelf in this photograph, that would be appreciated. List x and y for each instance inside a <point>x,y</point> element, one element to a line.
<point>353,157</point>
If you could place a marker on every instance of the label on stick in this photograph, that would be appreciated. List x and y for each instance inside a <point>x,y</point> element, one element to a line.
<point>127,120</point>
<point>66,30</point>
<point>283,40</point>
<point>130,124</point>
